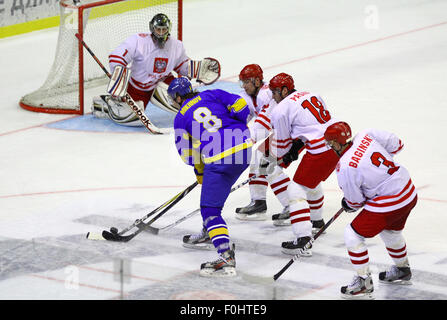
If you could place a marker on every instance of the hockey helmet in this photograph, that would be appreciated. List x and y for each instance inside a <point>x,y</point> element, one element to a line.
<point>160,27</point>
<point>339,132</point>
<point>251,71</point>
<point>179,86</point>
<point>282,80</point>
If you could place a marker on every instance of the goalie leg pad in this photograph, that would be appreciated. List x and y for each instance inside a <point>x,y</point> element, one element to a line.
<point>160,98</point>
<point>106,107</point>
<point>100,108</point>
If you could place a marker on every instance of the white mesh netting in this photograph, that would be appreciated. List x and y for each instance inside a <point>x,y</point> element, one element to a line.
<point>105,27</point>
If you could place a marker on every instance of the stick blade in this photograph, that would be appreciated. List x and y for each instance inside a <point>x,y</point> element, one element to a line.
<point>116,237</point>
<point>94,236</point>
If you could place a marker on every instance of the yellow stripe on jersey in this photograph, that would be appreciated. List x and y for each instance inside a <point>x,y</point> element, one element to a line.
<point>238,105</point>
<point>195,142</point>
<point>187,153</point>
<point>218,232</point>
<point>228,152</point>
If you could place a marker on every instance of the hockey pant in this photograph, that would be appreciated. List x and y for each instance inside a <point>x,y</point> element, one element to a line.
<point>388,225</point>
<point>305,205</point>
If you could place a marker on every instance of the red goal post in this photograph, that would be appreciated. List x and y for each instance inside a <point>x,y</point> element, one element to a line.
<point>103,25</point>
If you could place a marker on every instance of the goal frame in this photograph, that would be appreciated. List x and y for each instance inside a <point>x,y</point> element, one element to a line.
<point>80,49</point>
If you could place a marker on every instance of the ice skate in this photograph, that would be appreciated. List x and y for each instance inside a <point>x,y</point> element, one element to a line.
<point>360,288</point>
<point>316,226</point>
<point>224,266</point>
<point>255,211</point>
<point>282,219</point>
<point>199,241</point>
<point>396,275</point>
<point>301,246</point>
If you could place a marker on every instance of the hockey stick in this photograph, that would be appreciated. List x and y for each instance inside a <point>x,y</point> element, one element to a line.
<point>114,235</point>
<point>127,98</point>
<point>308,245</point>
<point>155,230</point>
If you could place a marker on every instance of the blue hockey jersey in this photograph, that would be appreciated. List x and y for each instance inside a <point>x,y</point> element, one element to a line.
<point>211,126</point>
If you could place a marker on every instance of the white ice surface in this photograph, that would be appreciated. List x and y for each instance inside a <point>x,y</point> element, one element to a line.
<point>60,182</point>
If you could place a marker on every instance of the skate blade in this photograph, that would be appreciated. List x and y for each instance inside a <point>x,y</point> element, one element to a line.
<point>397,282</point>
<point>201,246</point>
<point>362,296</point>
<point>281,223</point>
<point>299,252</point>
<point>261,216</point>
<point>221,273</point>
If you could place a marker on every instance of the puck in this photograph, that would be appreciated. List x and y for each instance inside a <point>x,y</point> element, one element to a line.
<point>113,230</point>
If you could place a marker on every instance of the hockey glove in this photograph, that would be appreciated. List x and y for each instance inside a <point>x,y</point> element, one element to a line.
<point>198,170</point>
<point>292,154</point>
<point>346,207</point>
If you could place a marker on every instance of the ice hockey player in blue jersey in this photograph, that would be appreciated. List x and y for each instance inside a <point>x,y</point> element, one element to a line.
<point>211,134</point>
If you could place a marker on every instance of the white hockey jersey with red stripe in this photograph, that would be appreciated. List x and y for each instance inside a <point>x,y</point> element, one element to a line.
<point>301,115</point>
<point>150,64</point>
<point>260,109</point>
<point>370,178</point>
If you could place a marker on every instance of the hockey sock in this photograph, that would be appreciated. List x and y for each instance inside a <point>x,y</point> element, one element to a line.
<point>396,247</point>
<point>217,228</point>
<point>357,251</point>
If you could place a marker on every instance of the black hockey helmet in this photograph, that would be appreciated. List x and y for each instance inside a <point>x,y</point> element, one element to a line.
<point>160,27</point>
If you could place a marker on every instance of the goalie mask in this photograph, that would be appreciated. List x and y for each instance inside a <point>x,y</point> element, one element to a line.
<point>160,27</point>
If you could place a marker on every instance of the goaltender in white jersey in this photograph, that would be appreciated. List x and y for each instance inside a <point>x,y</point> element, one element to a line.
<point>142,65</point>
<point>150,63</point>
<point>370,178</point>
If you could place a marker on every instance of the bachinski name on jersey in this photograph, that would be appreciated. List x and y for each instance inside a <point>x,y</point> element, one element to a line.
<point>360,151</point>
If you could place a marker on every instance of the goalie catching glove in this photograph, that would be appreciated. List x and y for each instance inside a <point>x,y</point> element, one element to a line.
<point>206,71</point>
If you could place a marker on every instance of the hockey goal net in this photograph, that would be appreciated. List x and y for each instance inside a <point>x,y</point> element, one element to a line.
<point>103,25</point>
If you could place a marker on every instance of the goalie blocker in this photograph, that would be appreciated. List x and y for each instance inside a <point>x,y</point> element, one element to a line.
<point>112,106</point>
